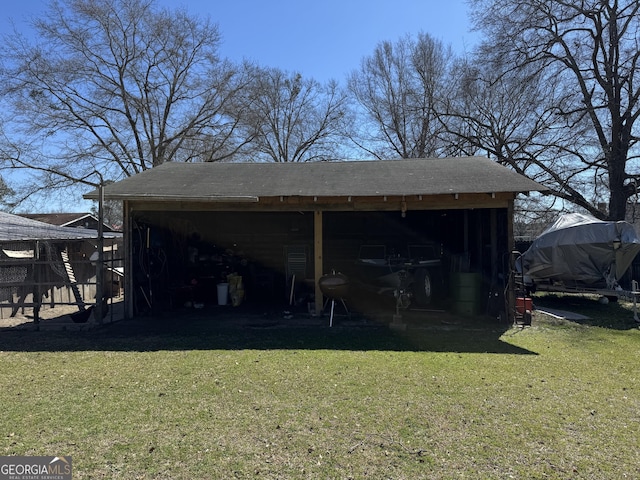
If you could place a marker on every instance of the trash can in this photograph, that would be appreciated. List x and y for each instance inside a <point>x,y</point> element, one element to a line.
<point>223,293</point>
<point>467,293</point>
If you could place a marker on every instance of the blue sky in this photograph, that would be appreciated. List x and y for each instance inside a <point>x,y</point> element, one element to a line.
<point>322,40</point>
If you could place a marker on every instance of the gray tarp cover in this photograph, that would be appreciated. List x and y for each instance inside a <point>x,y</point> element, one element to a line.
<point>580,249</point>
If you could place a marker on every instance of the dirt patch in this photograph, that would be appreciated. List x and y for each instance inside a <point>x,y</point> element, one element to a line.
<point>59,316</point>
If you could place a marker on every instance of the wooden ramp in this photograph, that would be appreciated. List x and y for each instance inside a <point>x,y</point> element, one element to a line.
<point>72,280</point>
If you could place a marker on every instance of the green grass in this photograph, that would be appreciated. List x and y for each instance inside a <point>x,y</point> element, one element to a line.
<point>556,400</point>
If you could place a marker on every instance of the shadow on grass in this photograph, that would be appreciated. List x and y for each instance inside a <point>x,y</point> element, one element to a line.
<point>209,332</point>
<point>615,315</point>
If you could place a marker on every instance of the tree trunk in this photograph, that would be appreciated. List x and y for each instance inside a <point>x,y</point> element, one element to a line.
<point>617,176</point>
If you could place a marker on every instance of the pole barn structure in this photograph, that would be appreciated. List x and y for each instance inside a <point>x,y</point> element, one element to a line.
<point>283,226</point>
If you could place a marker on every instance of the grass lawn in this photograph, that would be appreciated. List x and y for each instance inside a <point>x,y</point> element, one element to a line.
<point>558,399</point>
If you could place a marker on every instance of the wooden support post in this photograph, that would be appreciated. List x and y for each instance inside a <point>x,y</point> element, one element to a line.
<point>510,301</point>
<point>318,259</point>
<point>128,259</point>
<point>465,239</point>
<point>494,247</point>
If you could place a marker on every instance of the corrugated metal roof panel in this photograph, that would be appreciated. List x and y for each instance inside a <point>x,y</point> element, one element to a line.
<point>14,228</point>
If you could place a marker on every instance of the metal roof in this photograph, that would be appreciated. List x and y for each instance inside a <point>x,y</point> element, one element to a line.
<point>60,219</point>
<point>238,182</point>
<point>14,228</point>
<point>68,219</point>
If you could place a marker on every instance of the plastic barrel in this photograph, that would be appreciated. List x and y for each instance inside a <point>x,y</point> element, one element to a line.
<point>466,290</point>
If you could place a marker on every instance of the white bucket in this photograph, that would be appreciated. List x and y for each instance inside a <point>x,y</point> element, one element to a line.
<point>223,293</point>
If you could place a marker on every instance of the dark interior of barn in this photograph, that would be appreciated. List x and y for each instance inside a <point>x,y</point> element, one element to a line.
<point>180,259</point>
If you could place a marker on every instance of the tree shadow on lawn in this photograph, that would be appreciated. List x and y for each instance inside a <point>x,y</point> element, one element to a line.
<point>211,331</point>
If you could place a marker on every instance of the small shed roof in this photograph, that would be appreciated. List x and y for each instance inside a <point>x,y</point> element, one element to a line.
<point>74,220</point>
<point>14,228</point>
<point>250,181</point>
<point>60,219</point>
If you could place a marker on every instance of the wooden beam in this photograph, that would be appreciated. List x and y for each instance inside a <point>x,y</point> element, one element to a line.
<point>465,232</point>
<point>127,224</point>
<point>511,293</point>
<point>338,204</point>
<point>318,257</point>
<point>494,246</point>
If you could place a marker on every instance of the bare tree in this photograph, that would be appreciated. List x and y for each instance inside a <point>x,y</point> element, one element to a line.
<point>514,117</point>
<point>116,87</point>
<point>5,192</point>
<point>398,89</point>
<point>292,119</point>
<point>589,50</point>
